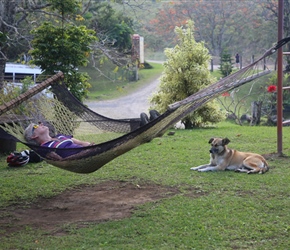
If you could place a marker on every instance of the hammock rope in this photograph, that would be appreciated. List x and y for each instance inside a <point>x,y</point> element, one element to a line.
<point>91,158</point>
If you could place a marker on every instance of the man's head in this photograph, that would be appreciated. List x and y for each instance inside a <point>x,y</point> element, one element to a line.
<point>34,133</point>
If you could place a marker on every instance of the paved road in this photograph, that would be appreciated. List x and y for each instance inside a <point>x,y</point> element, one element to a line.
<point>129,106</point>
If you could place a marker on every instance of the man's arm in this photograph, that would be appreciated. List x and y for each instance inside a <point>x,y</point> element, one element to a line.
<point>82,143</point>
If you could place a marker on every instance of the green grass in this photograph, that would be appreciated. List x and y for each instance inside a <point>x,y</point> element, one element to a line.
<point>223,210</point>
<point>103,89</point>
<point>216,73</point>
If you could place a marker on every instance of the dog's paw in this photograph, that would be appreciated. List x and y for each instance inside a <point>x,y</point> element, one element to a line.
<point>202,170</point>
<point>194,168</point>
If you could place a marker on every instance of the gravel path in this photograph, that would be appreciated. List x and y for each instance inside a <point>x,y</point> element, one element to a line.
<point>129,106</point>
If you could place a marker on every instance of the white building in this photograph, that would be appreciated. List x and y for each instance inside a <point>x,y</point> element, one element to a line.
<point>15,72</point>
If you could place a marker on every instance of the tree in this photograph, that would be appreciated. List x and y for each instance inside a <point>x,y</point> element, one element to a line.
<point>19,17</point>
<point>113,28</point>
<point>14,23</point>
<point>159,31</point>
<point>226,66</point>
<point>271,8</point>
<point>240,26</point>
<point>64,48</point>
<point>185,73</point>
<point>114,31</point>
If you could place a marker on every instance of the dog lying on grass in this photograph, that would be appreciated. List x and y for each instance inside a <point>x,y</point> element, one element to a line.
<point>223,158</point>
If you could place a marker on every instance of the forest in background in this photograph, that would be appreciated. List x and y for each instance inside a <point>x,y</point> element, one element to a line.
<point>245,27</point>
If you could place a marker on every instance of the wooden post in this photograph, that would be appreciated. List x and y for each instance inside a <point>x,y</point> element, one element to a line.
<point>280,80</point>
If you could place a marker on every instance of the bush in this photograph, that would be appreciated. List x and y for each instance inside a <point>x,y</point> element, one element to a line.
<point>185,73</point>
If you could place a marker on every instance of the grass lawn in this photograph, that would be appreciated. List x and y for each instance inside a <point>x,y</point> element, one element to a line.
<point>224,210</point>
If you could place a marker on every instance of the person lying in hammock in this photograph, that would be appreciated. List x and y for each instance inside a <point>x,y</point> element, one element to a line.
<point>38,134</point>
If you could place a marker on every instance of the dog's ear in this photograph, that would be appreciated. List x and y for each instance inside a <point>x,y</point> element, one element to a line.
<point>226,141</point>
<point>211,140</point>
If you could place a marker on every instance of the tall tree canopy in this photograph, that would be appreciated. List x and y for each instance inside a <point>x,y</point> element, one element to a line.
<point>61,39</point>
<point>240,26</point>
<point>114,31</point>
<point>15,24</point>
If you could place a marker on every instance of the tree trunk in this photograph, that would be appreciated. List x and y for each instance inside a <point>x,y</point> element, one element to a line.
<point>256,108</point>
<point>2,72</point>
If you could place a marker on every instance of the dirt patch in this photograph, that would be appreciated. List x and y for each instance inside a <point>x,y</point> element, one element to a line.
<point>274,155</point>
<point>110,200</point>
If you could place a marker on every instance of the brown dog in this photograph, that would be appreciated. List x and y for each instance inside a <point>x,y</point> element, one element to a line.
<point>223,158</point>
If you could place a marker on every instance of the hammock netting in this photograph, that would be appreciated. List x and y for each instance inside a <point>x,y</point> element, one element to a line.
<point>64,113</point>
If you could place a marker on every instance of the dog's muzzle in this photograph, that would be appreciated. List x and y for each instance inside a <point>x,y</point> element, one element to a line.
<point>213,151</point>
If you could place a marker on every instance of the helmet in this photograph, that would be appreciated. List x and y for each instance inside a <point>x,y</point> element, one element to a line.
<point>18,159</point>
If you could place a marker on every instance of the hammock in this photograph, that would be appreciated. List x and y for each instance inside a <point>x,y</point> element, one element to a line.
<point>91,158</point>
